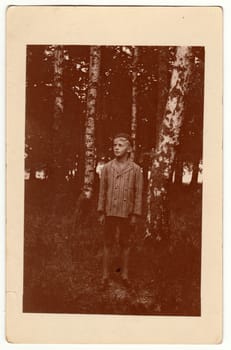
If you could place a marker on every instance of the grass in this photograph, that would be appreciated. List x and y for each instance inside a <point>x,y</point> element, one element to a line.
<point>63,258</point>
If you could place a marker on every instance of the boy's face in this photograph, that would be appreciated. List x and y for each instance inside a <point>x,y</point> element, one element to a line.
<point>121,147</point>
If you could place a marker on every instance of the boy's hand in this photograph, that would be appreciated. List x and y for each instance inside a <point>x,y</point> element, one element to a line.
<point>101,219</point>
<point>133,220</point>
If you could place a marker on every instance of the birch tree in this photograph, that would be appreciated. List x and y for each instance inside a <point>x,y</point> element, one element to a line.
<point>163,83</point>
<point>58,84</point>
<point>134,101</point>
<point>58,112</point>
<point>163,157</point>
<point>94,70</point>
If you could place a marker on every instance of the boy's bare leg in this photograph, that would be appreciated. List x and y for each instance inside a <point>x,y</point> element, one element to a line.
<point>125,258</point>
<point>105,263</point>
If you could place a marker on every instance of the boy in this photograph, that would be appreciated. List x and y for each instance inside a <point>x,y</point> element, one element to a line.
<point>120,202</point>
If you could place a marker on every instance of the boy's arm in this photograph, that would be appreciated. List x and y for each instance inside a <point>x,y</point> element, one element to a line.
<point>137,210</point>
<point>102,192</point>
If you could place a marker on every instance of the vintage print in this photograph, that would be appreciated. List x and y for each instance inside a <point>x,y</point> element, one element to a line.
<point>113,179</point>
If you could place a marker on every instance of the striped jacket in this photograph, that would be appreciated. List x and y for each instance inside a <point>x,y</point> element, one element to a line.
<point>120,191</point>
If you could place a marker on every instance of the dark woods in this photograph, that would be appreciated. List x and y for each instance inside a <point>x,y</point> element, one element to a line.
<point>77,98</point>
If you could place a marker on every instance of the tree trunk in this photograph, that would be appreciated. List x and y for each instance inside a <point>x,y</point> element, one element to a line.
<point>178,171</point>
<point>58,83</point>
<point>94,71</point>
<point>163,84</point>
<point>57,161</point>
<point>195,172</point>
<point>32,174</point>
<point>163,157</point>
<point>134,102</point>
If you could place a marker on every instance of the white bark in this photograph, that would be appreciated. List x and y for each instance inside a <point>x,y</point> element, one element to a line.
<point>134,101</point>
<point>168,140</point>
<point>94,70</point>
<point>58,84</point>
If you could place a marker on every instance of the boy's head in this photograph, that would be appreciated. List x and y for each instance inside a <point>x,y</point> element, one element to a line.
<point>122,145</point>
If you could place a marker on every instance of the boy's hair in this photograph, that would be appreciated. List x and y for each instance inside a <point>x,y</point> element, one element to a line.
<point>124,136</point>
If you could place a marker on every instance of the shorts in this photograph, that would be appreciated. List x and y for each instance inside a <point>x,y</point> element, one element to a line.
<point>115,224</point>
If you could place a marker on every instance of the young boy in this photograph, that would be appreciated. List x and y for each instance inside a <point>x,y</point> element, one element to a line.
<point>120,202</point>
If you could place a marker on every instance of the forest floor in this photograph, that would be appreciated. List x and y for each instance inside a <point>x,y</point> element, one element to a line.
<point>63,261</point>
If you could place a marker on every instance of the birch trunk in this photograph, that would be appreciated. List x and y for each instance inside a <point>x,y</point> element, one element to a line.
<point>162,160</point>
<point>56,168</point>
<point>58,84</point>
<point>134,102</point>
<point>162,88</point>
<point>94,71</point>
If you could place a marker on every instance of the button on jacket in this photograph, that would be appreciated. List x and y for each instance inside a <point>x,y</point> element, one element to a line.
<point>120,191</point>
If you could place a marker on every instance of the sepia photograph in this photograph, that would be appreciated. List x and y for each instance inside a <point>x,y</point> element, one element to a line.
<point>113,179</point>
<point>114,175</point>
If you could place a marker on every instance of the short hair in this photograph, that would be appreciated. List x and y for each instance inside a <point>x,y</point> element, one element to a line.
<point>124,136</point>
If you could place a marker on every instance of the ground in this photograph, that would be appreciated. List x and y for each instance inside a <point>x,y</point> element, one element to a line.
<point>63,257</point>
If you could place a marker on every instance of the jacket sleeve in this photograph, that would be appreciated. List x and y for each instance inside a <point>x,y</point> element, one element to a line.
<point>102,191</point>
<point>137,209</point>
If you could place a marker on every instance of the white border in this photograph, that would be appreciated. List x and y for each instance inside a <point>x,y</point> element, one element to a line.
<point>227,175</point>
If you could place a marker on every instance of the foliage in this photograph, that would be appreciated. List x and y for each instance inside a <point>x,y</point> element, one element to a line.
<point>113,102</point>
